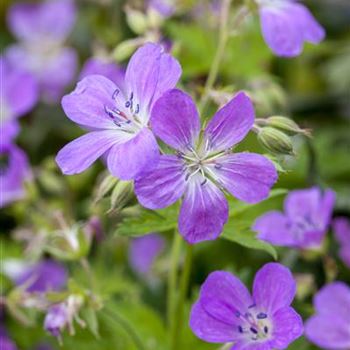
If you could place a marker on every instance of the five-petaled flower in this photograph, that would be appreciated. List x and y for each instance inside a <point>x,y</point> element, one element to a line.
<point>118,119</point>
<point>227,313</point>
<point>341,228</point>
<point>286,25</point>
<point>203,166</point>
<point>305,221</point>
<point>329,328</point>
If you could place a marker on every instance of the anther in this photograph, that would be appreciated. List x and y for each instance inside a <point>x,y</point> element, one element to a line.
<point>240,329</point>
<point>253,330</point>
<point>204,182</point>
<point>261,316</point>
<point>115,94</point>
<point>218,166</point>
<point>266,329</point>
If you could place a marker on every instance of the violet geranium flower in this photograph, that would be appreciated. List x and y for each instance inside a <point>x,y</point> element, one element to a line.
<point>14,170</point>
<point>110,70</point>
<point>304,223</point>
<point>41,29</point>
<point>329,328</point>
<point>203,166</point>
<point>119,121</point>
<point>6,343</point>
<point>143,251</point>
<point>341,228</point>
<point>226,312</point>
<point>18,96</point>
<point>286,25</point>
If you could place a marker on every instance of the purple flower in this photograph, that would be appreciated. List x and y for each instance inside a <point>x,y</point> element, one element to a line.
<point>41,29</point>
<point>329,328</point>
<point>6,343</point>
<point>118,120</point>
<point>286,25</point>
<point>110,70</point>
<point>14,170</point>
<point>165,8</point>
<point>143,251</point>
<point>227,313</point>
<point>18,96</point>
<point>56,319</point>
<point>203,166</point>
<point>341,228</point>
<point>307,214</point>
<point>46,275</point>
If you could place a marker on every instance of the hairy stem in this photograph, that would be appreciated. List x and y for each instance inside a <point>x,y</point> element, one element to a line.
<point>214,69</point>
<point>178,316</point>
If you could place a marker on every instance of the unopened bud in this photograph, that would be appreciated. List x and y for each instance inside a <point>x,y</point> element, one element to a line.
<point>275,141</point>
<point>137,21</point>
<point>121,194</point>
<point>125,49</point>
<point>286,125</point>
<point>105,187</point>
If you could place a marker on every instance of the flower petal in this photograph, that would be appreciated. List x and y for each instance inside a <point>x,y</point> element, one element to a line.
<point>175,119</point>
<point>324,214</point>
<point>164,185</point>
<point>131,159</point>
<point>86,105</point>
<point>274,287</point>
<point>142,74</point>
<point>79,154</point>
<point>209,328</point>
<point>287,327</point>
<point>273,227</point>
<point>247,176</point>
<point>281,31</point>
<point>50,20</point>
<point>223,296</point>
<point>231,123</point>
<point>328,333</point>
<point>334,299</point>
<point>341,228</point>
<point>204,211</point>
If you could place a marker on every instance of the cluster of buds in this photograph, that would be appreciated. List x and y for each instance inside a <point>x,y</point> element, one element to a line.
<point>275,133</point>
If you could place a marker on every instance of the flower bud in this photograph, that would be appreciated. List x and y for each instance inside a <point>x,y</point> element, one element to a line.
<point>125,49</point>
<point>286,125</point>
<point>275,141</point>
<point>56,319</point>
<point>105,186</point>
<point>122,192</point>
<point>137,21</point>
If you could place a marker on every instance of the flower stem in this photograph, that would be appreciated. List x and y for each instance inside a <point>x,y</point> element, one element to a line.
<point>175,340</point>
<point>117,319</point>
<point>214,69</point>
<point>172,277</point>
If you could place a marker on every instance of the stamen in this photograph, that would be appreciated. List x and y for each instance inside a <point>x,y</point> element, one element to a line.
<point>204,182</point>
<point>266,329</point>
<point>218,166</point>
<point>261,316</point>
<point>240,329</point>
<point>253,330</point>
<point>115,94</point>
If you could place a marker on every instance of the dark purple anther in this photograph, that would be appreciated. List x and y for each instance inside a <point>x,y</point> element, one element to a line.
<point>253,330</point>
<point>261,316</point>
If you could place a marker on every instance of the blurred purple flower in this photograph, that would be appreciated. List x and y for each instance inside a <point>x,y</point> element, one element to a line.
<point>203,166</point>
<point>6,343</point>
<point>14,170</point>
<point>165,8</point>
<point>41,29</point>
<point>304,223</point>
<point>18,97</point>
<point>56,319</point>
<point>286,25</point>
<point>341,228</point>
<point>329,328</point>
<point>143,251</point>
<point>46,275</point>
<point>119,121</point>
<point>227,313</point>
<point>110,70</point>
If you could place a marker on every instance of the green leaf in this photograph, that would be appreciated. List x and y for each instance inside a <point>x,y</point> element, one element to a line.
<point>89,315</point>
<point>149,221</point>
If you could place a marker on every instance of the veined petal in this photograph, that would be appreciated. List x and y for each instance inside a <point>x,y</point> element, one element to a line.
<point>324,214</point>
<point>274,227</point>
<point>287,327</point>
<point>274,287</point>
<point>142,73</point>
<point>208,328</point>
<point>175,119</point>
<point>79,154</point>
<point>164,185</point>
<point>247,176</point>
<point>224,296</point>
<point>87,104</point>
<point>231,123</point>
<point>41,21</point>
<point>281,32</point>
<point>137,156</point>
<point>204,211</point>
